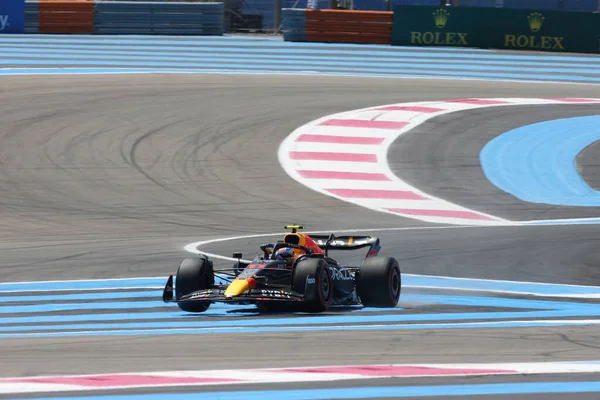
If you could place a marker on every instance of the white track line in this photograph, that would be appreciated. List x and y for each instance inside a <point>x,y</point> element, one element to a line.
<point>193,247</point>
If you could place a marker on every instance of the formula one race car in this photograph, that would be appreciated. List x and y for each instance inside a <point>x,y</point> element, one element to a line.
<point>294,271</point>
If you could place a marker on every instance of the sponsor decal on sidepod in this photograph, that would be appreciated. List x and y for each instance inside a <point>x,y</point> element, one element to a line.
<point>340,274</point>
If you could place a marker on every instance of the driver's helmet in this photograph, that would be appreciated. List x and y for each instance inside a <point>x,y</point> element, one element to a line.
<point>285,253</point>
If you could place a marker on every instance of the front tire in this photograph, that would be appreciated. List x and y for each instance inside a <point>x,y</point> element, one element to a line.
<point>194,274</point>
<point>313,279</point>
<point>379,282</point>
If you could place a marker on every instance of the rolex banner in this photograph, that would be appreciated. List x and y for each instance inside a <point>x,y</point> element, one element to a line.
<point>497,28</point>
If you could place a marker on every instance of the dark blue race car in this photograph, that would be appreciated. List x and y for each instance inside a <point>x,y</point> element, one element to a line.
<point>294,272</point>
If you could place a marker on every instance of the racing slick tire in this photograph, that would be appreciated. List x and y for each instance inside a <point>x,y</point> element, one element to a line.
<point>379,282</point>
<point>312,278</point>
<point>194,274</point>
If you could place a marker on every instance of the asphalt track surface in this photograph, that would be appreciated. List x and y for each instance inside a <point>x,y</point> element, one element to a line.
<point>109,176</point>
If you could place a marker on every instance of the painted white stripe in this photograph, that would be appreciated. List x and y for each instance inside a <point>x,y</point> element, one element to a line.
<point>348,131</point>
<point>391,115</point>
<point>15,388</point>
<point>449,220</point>
<point>361,184</point>
<point>344,166</point>
<point>384,203</point>
<point>524,101</point>
<point>444,208</point>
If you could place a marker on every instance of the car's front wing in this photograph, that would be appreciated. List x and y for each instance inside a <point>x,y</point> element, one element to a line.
<point>217,295</point>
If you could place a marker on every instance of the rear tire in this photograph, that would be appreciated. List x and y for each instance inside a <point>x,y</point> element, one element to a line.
<point>313,279</point>
<point>379,282</point>
<point>194,274</point>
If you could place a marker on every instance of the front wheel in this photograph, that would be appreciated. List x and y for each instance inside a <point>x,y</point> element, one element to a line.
<point>379,282</point>
<point>194,274</point>
<point>313,279</point>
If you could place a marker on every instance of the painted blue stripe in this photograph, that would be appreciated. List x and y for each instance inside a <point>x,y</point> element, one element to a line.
<point>153,37</point>
<point>235,49</point>
<point>293,65</point>
<point>138,305</point>
<point>184,61</point>
<point>536,163</point>
<point>217,309</point>
<point>367,392</point>
<point>82,37</point>
<point>488,301</point>
<point>237,43</point>
<point>584,221</point>
<point>199,40</point>
<point>297,321</point>
<point>176,315</point>
<point>306,328</point>
<point>81,306</point>
<point>185,320</point>
<point>408,298</point>
<point>89,284</point>
<point>92,284</point>
<point>41,319</point>
<point>502,286</point>
<point>408,280</point>
<point>81,296</point>
<point>222,309</point>
<point>575,78</point>
<point>578,362</point>
<point>290,54</point>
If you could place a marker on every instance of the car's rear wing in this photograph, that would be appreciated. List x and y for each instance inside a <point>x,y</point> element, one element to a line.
<point>331,242</point>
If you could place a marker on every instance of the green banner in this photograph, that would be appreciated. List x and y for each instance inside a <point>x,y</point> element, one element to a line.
<point>499,28</point>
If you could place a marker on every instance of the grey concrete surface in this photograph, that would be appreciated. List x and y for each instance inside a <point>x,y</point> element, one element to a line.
<point>51,356</point>
<point>109,176</point>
